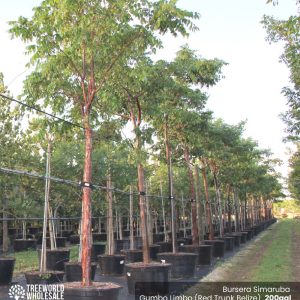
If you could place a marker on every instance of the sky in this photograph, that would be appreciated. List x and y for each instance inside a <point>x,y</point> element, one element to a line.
<point>229,30</point>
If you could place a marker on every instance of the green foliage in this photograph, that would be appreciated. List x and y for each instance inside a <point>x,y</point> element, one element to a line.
<point>287,31</point>
<point>289,205</point>
<point>294,175</point>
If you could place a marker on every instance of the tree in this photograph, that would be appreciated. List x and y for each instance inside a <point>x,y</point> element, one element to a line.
<point>75,47</point>
<point>181,105</point>
<point>287,31</point>
<point>294,175</point>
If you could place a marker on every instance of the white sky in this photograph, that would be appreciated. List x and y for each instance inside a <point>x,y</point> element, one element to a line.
<point>229,30</point>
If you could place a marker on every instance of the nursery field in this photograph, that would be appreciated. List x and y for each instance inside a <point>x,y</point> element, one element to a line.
<point>117,174</point>
<point>271,256</point>
<point>274,256</point>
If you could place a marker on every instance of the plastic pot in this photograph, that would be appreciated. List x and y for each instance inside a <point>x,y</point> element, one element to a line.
<point>237,239</point>
<point>204,253</point>
<point>122,245</point>
<point>61,242</point>
<point>74,239</point>
<point>111,264</point>
<point>7,267</point>
<point>138,242</point>
<point>218,247</point>
<point>147,279</point>
<point>98,291</point>
<point>22,245</point>
<point>73,271</point>
<point>56,258</point>
<point>182,264</point>
<point>165,246</point>
<point>132,256</point>
<point>49,277</point>
<point>229,243</point>
<point>97,249</point>
<point>154,249</point>
<point>158,237</point>
<point>244,237</point>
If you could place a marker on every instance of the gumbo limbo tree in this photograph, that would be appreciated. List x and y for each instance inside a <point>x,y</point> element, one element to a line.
<point>75,47</point>
<point>185,120</point>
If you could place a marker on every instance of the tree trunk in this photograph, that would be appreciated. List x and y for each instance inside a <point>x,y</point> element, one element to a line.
<point>86,199</point>
<point>200,208</point>
<point>237,212</point>
<point>24,230</point>
<point>183,221</point>
<point>5,223</point>
<point>149,216</point>
<point>143,220</point>
<point>245,210</point>
<point>229,209</point>
<point>163,213</point>
<point>120,226</point>
<point>51,228</point>
<point>131,219</point>
<point>170,186</point>
<point>207,206</point>
<point>46,204</point>
<point>110,226</point>
<point>218,204</point>
<point>195,233</point>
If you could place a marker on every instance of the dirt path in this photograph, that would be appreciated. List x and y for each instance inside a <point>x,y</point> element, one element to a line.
<point>240,265</point>
<point>243,265</point>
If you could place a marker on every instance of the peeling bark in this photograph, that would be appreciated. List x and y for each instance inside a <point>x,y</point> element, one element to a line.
<point>86,199</point>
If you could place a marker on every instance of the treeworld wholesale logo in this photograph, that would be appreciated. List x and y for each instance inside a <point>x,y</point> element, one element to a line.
<point>37,292</point>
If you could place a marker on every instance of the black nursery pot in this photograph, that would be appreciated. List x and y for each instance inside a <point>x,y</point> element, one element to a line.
<point>147,279</point>
<point>165,246</point>
<point>249,233</point>
<point>56,259</point>
<point>22,244</point>
<point>154,249</point>
<point>204,253</point>
<point>229,243</point>
<point>158,237</point>
<point>237,239</point>
<point>126,233</point>
<point>74,239</point>
<point>98,291</point>
<point>218,247</point>
<point>97,249</point>
<point>122,245</point>
<point>132,256</point>
<point>33,230</point>
<point>111,264</point>
<point>244,237</point>
<point>50,277</point>
<point>73,271</point>
<point>181,242</point>
<point>138,242</point>
<point>7,267</point>
<point>61,242</point>
<point>182,264</point>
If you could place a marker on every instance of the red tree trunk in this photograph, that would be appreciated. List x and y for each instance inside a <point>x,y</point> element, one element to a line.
<point>86,211</point>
